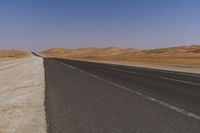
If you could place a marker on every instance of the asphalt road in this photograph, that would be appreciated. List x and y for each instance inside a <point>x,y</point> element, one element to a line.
<point>85,97</point>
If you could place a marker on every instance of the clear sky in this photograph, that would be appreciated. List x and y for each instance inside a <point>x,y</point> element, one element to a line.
<point>141,24</point>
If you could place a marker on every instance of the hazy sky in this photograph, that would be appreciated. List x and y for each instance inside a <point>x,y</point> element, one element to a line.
<point>142,24</point>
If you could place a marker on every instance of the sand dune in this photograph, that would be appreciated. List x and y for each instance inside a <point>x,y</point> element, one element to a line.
<point>12,54</point>
<point>184,57</point>
<point>87,52</point>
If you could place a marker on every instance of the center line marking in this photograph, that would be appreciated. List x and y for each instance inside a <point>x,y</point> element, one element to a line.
<point>164,104</point>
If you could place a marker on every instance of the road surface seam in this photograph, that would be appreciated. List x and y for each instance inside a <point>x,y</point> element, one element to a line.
<point>150,69</point>
<point>171,79</point>
<point>161,77</point>
<point>193,74</point>
<point>177,109</point>
<point>122,70</point>
<point>186,82</point>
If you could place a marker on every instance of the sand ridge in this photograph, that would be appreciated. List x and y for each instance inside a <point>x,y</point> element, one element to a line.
<point>8,54</point>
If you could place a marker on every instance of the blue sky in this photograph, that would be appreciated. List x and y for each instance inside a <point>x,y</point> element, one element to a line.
<point>142,24</point>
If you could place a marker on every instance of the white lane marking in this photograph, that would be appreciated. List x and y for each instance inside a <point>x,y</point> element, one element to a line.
<point>164,104</point>
<point>186,82</point>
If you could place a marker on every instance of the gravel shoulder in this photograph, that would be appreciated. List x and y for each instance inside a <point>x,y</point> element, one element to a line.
<point>22,96</point>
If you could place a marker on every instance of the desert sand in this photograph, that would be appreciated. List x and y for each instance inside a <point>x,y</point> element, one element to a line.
<point>184,58</point>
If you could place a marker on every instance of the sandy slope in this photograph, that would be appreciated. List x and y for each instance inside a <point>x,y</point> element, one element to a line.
<point>184,58</point>
<point>87,52</point>
<point>12,54</point>
<point>22,96</point>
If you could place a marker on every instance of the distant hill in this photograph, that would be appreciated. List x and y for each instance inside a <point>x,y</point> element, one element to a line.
<point>182,51</point>
<point>119,53</point>
<point>87,52</point>
<point>183,56</point>
<point>13,54</point>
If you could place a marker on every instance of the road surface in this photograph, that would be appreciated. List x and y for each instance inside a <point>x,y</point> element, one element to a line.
<point>85,97</point>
